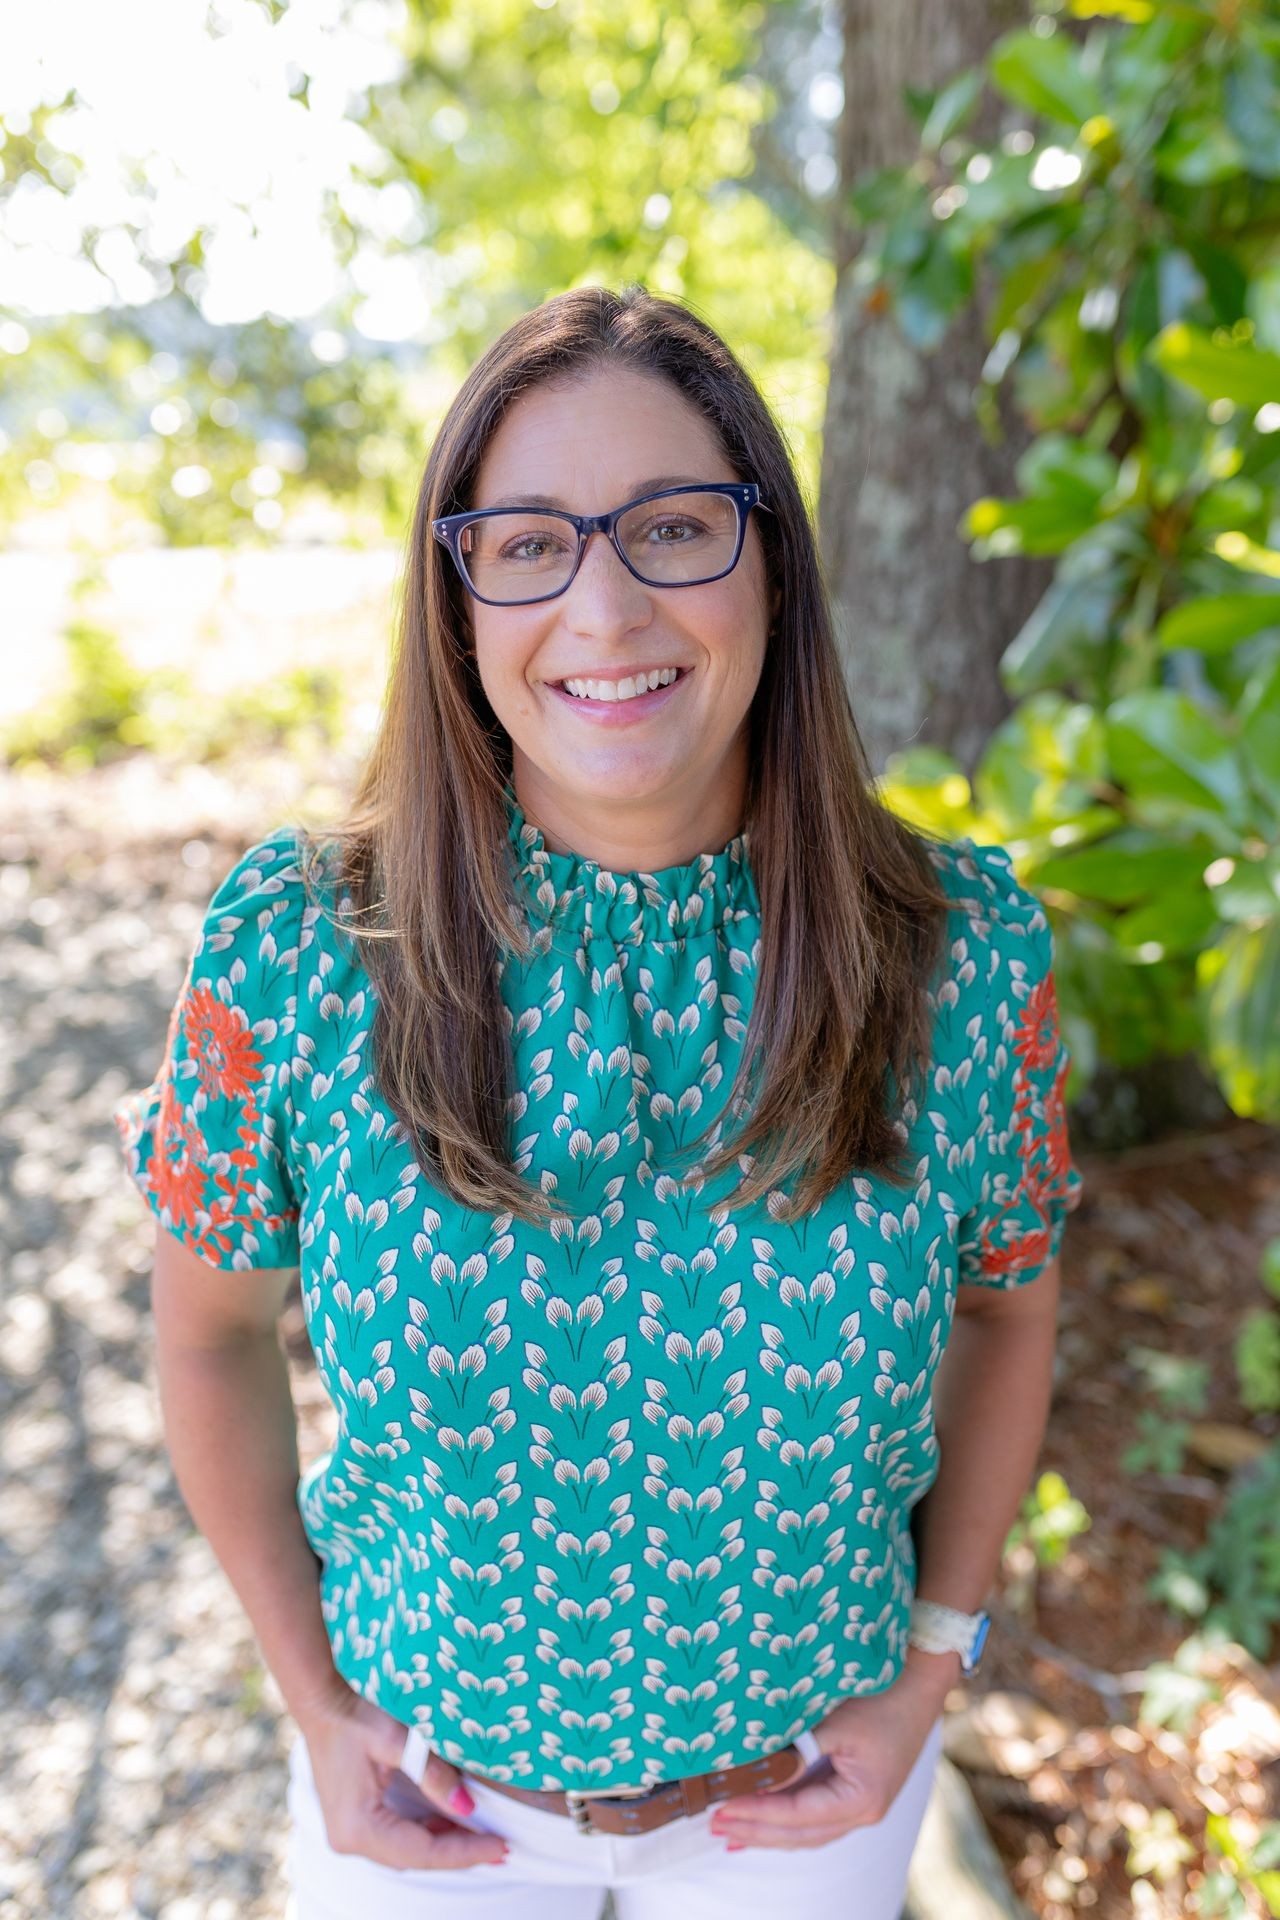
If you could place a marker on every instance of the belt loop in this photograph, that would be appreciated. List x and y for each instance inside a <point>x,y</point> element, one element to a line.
<point>693,1791</point>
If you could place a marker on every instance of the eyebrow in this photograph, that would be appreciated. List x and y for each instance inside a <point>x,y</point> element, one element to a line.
<point>654,484</point>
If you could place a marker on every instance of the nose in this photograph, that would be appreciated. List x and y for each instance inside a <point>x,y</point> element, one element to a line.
<point>601,572</point>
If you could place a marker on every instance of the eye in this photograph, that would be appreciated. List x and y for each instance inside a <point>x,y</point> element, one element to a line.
<point>678,524</point>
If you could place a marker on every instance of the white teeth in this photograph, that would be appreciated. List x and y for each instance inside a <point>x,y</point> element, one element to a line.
<point>621,689</point>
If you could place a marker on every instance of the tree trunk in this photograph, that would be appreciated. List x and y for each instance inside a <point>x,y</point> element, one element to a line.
<point>920,624</point>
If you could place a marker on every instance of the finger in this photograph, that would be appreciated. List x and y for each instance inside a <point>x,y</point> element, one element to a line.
<point>395,1842</point>
<point>785,1838</point>
<point>446,1786</point>
<point>810,1750</point>
<point>821,1804</point>
<point>433,1776</point>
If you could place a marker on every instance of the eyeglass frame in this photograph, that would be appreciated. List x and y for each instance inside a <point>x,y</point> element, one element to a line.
<point>744,493</point>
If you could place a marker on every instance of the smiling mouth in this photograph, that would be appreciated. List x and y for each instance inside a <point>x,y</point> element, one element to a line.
<point>600,692</point>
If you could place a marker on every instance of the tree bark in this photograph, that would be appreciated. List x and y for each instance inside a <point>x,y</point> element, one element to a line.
<point>920,624</point>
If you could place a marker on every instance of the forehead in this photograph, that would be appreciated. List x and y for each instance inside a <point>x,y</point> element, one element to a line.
<point>552,441</point>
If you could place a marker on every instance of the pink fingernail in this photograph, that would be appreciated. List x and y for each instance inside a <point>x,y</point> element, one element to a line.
<point>460,1800</point>
<point>735,1846</point>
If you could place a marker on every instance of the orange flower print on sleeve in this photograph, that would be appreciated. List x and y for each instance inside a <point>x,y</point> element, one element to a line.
<point>209,1142</point>
<point>177,1162</point>
<point>1036,1041</point>
<point>1009,1245</point>
<point>212,1199</point>
<point>220,1040</point>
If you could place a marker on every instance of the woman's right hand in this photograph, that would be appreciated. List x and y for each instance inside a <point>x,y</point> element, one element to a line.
<point>354,1748</point>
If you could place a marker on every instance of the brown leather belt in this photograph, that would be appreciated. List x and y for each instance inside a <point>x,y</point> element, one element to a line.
<point>641,1809</point>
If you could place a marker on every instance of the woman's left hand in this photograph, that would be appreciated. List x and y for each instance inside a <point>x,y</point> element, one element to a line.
<point>872,1741</point>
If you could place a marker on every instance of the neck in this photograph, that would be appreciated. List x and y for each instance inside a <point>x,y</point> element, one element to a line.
<point>667,829</point>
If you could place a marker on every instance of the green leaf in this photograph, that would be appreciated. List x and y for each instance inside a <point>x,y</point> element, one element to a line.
<point>933,292</point>
<point>1069,468</point>
<point>1259,714</point>
<point>1216,623</point>
<point>1046,524</point>
<point>1165,750</point>
<point>1243,1017</point>
<point>1045,73</point>
<point>1180,921</point>
<point>952,108</point>
<point>1124,869</point>
<point>1072,619</point>
<point>1198,151</point>
<point>1251,891</point>
<point>1253,111</point>
<point>1216,368</point>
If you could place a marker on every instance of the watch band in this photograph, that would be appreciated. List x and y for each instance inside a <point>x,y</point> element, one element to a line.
<point>939,1629</point>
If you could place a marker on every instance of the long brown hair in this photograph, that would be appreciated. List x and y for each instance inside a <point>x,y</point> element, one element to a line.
<point>852,918</point>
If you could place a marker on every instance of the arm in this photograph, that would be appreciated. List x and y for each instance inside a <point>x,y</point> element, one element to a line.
<point>991,1405</point>
<point>230,1429</point>
<point>229,1423</point>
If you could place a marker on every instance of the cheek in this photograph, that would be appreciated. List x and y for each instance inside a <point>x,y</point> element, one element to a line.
<point>502,664</point>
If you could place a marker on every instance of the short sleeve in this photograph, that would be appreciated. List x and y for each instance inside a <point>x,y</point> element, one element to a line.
<point>207,1143</point>
<point>1028,1181</point>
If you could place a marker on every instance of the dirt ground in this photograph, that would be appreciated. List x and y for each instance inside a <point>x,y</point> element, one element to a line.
<point>143,1750</point>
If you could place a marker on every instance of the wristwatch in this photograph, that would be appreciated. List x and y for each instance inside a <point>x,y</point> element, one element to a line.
<point>938,1629</point>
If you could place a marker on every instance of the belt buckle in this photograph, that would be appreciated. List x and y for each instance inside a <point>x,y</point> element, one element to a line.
<point>580,1813</point>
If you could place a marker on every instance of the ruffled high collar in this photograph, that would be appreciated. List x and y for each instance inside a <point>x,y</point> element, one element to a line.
<point>578,895</point>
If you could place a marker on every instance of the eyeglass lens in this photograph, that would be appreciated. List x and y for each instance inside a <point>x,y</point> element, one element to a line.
<point>678,540</point>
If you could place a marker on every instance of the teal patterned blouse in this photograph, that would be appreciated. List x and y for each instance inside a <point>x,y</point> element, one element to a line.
<point>629,1498</point>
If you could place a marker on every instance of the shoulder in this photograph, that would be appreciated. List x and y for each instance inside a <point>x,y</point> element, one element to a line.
<point>268,870</point>
<point>987,894</point>
<point>258,912</point>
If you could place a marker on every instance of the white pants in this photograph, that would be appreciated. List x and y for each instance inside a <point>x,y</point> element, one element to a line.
<point>553,1872</point>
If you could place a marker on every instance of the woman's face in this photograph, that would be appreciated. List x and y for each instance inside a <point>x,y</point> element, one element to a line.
<point>588,447</point>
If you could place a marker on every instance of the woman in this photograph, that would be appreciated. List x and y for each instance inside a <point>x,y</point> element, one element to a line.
<point>647,1109</point>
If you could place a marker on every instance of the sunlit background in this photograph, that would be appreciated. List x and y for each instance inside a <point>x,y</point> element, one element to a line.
<point>248,252</point>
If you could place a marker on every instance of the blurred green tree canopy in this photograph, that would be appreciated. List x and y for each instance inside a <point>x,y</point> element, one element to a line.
<point>515,150</point>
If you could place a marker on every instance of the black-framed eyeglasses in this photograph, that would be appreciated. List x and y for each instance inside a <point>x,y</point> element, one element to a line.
<point>502,552</point>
